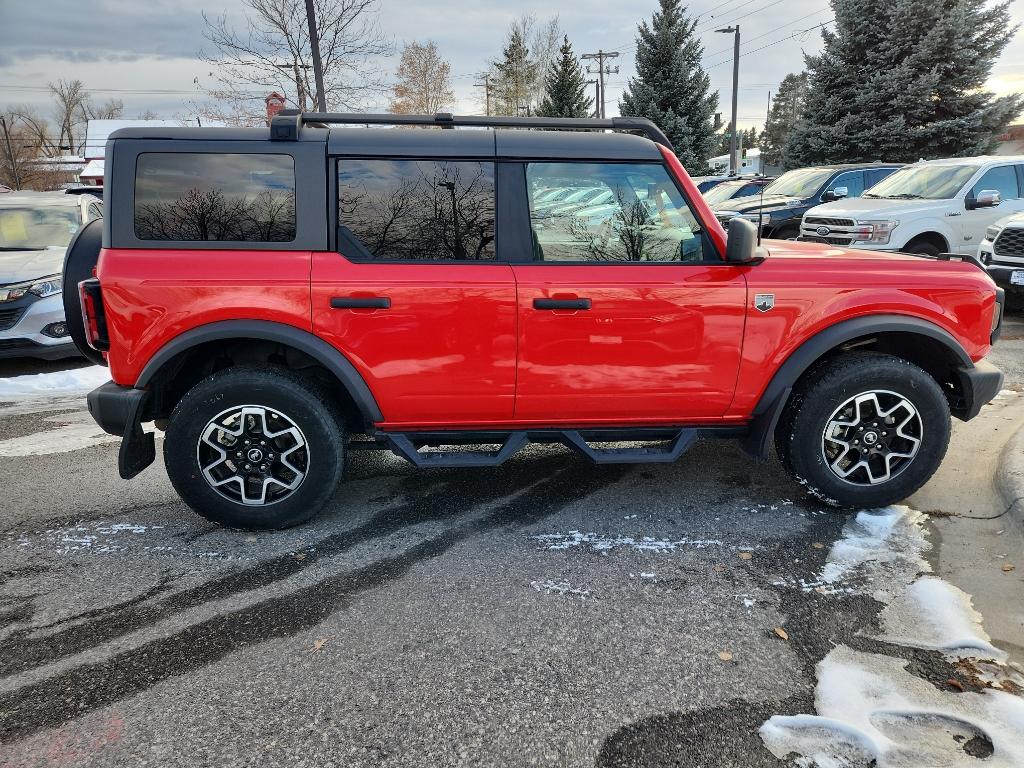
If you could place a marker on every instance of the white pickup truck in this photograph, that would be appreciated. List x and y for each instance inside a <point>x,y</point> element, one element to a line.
<point>931,207</point>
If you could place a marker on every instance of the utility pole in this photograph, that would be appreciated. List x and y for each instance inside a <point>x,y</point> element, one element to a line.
<point>733,166</point>
<point>602,70</point>
<point>10,154</point>
<point>318,66</point>
<point>486,85</point>
<point>597,96</point>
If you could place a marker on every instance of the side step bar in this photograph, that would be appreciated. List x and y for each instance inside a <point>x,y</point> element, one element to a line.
<point>454,449</point>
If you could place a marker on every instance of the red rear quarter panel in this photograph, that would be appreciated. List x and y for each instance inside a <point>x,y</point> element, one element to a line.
<point>152,296</point>
<point>818,286</point>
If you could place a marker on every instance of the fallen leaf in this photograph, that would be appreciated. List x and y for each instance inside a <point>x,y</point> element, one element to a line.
<point>953,682</point>
<point>745,555</point>
<point>820,590</point>
<point>1008,567</point>
<point>318,644</point>
<point>818,545</point>
<point>782,633</point>
<point>725,656</point>
<point>300,555</point>
<point>719,568</point>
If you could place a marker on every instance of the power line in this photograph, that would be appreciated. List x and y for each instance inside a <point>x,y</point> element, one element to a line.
<point>770,31</point>
<point>734,20</point>
<point>138,91</point>
<point>782,40</point>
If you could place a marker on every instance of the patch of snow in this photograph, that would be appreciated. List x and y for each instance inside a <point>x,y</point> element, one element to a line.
<point>549,587</point>
<point>932,613</point>
<point>78,431</point>
<point>600,542</point>
<point>54,384</point>
<point>105,538</point>
<point>871,711</point>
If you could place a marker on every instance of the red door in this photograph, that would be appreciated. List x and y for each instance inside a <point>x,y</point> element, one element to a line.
<point>649,342</point>
<point>442,352</point>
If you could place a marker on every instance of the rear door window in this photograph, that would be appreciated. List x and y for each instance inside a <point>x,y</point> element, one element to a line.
<point>195,196</point>
<point>416,210</point>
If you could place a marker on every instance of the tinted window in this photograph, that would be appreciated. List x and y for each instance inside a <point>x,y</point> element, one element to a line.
<point>749,189</point>
<point>875,175</point>
<point>642,216</point>
<point>852,180</point>
<point>418,209</point>
<point>193,196</point>
<point>1002,179</point>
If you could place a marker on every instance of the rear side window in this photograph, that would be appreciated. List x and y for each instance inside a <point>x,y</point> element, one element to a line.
<point>416,210</point>
<point>875,175</point>
<point>193,196</point>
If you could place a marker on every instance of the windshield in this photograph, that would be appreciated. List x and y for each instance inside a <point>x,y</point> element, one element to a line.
<point>31,229</point>
<point>724,191</point>
<point>924,182</point>
<point>803,182</point>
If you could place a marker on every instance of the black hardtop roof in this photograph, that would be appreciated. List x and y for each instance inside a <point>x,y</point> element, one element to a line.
<point>408,142</point>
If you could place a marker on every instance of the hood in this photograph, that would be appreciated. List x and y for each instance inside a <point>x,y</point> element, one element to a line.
<point>877,207</point>
<point>22,266</point>
<point>753,203</point>
<point>1017,219</point>
<point>807,249</point>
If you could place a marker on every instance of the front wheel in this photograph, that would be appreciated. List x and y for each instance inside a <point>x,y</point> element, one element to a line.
<point>865,430</point>
<point>255,448</point>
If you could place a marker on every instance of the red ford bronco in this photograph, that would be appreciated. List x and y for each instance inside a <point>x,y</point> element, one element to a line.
<point>274,297</point>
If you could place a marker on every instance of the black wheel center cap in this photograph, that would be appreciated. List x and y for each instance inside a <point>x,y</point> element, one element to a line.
<point>255,455</point>
<point>870,438</point>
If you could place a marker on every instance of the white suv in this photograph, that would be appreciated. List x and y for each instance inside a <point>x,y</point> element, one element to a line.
<point>1002,252</point>
<point>931,207</point>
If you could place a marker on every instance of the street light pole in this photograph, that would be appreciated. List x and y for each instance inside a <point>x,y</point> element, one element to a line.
<point>318,66</point>
<point>733,159</point>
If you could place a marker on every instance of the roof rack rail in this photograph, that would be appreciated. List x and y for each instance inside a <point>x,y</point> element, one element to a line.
<point>287,124</point>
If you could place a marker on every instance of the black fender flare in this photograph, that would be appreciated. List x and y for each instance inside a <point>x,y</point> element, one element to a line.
<point>769,408</point>
<point>265,330</point>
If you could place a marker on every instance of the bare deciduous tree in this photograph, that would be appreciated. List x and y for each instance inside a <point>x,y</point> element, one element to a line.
<point>272,53</point>
<point>73,108</point>
<point>424,81</point>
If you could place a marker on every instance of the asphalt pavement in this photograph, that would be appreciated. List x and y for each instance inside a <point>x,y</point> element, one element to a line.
<point>545,613</point>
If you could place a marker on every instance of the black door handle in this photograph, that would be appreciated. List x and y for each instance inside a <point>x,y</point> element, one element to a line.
<point>361,302</point>
<point>561,303</point>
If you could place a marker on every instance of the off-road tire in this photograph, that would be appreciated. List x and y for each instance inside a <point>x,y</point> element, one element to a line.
<point>280,390</point>
<point>826,387</point>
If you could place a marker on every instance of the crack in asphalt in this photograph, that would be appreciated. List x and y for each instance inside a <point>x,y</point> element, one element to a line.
<point>87,687</point>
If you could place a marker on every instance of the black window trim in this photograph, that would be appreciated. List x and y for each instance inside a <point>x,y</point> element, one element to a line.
<point>707,243</point>
<point>310,172</point>
<point>342,235</point>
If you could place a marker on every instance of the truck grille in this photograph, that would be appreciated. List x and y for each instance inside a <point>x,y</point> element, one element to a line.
<point>10,317</point>
<point>818,222</point>
<point>1010,242</point>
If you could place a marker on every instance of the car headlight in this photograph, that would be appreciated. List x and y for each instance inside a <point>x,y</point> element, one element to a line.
<point>991,233</point>
<point>874,231</point>
<point>47,286</point>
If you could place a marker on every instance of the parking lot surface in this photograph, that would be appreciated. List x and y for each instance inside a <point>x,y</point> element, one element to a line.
<point>547,612</point>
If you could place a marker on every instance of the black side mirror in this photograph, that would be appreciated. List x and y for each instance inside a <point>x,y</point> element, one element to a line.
<point>741,246</point>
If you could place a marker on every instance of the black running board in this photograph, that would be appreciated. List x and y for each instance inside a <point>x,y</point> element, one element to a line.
<point>456,448</point>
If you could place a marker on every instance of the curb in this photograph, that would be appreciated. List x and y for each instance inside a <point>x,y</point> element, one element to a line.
<point>1010,478</point>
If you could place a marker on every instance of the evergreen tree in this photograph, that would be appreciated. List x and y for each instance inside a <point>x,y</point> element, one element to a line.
<point>904,79</point>
<point>670,86</point>
<point>787,108</point>
<point>565,87</point>
<point>748,139</point>
<point>514,76</point>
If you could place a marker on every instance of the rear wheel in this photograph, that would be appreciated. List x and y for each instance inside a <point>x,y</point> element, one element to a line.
<point>255,448</point>
<point>922,248</point>
<point>865,430</point>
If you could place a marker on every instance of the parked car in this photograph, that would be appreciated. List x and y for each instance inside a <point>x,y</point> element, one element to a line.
<point>422,311</point>
<point>35,229</point>
<point>931,207</point>
<point>704,183</point>
<point>1002,251</point>
<point>743,187</point>
<point>788,197</point>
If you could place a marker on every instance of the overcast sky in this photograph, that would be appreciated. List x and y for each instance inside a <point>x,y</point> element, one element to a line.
<point>145,51</point>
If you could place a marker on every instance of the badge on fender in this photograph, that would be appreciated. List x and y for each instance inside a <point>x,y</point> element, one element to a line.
<point>764,301</point>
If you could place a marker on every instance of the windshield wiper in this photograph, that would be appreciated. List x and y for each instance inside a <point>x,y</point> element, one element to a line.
<point>905,196</point>
<point>22,248</point>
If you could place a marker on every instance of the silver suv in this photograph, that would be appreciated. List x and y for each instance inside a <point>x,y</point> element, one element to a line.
<point>35,229</point>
